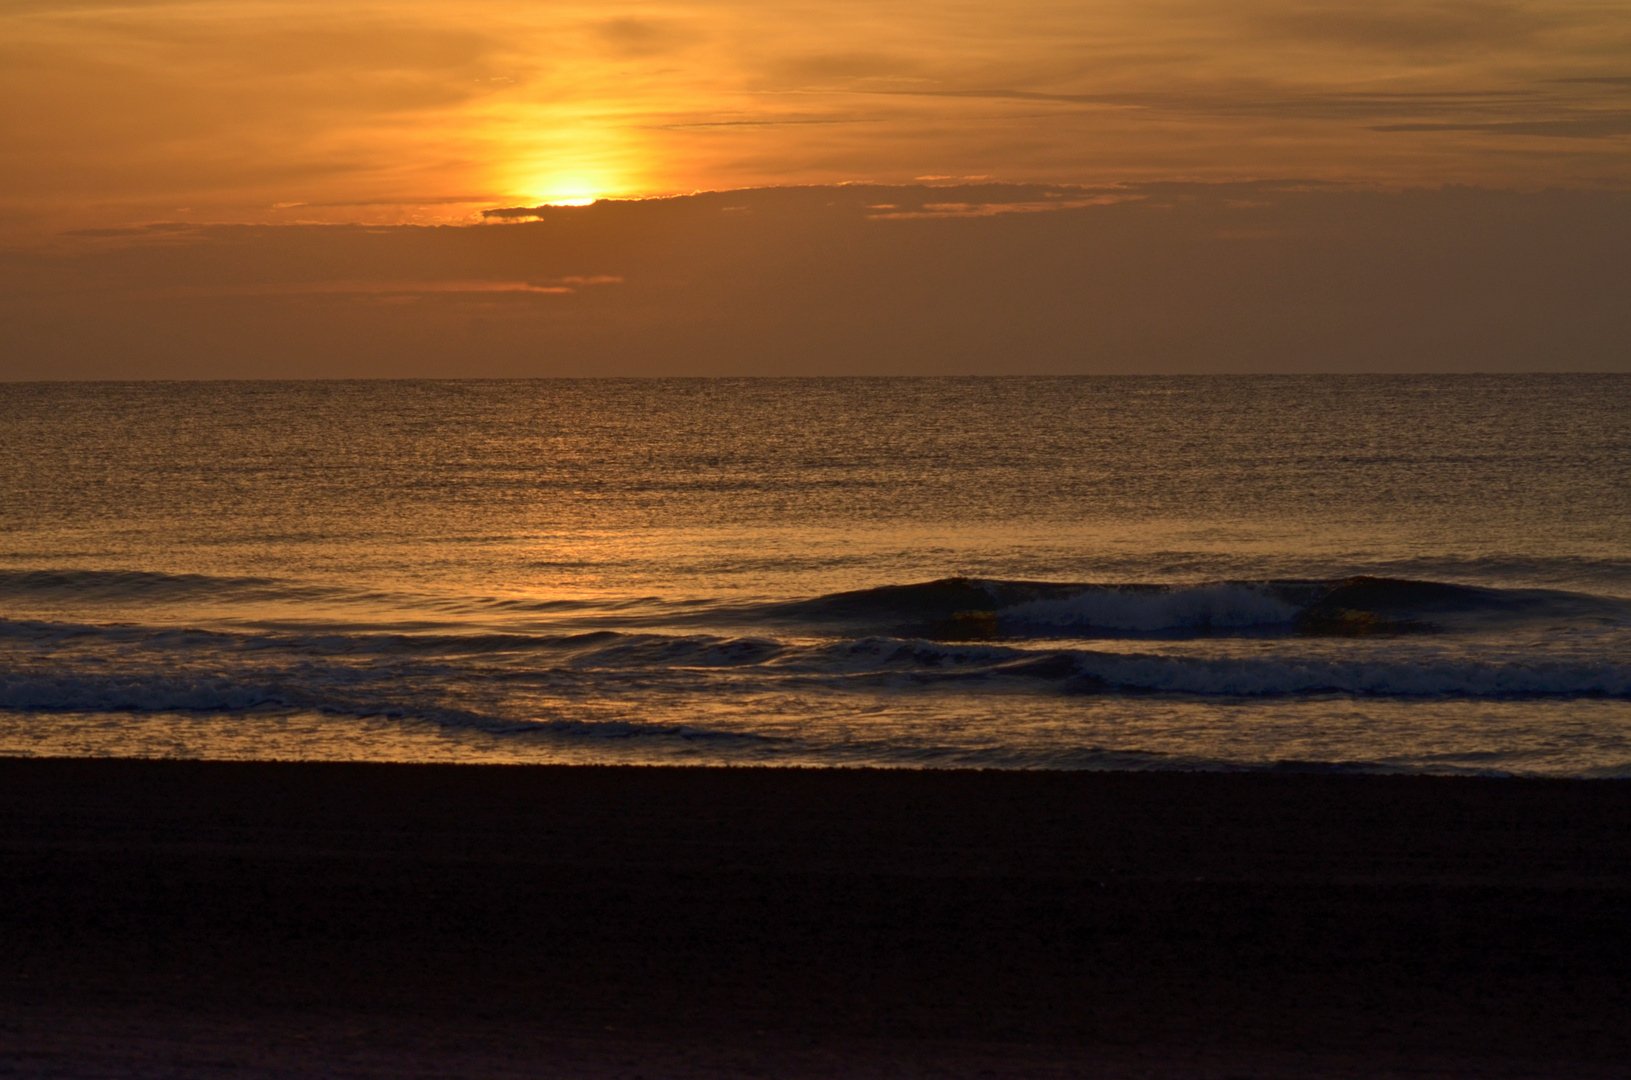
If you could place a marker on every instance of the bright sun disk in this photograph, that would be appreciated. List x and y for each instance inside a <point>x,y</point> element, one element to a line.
<point>567,191</point>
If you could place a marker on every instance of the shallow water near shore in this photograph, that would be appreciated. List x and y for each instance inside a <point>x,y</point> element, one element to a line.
<point>1349,573</point>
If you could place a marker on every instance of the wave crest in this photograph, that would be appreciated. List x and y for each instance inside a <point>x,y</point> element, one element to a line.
<point>978,609</point>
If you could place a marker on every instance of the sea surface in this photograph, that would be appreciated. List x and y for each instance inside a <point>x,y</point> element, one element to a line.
<point>1409,574</point>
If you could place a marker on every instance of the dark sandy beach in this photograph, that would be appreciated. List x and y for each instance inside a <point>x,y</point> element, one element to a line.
<point>255,920</point>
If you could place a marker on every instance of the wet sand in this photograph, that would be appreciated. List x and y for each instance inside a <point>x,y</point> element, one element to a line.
<point>246,919</point>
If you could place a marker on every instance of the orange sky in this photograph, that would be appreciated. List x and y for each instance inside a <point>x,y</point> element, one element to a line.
<point>223,189</point>
<point>279,111</point>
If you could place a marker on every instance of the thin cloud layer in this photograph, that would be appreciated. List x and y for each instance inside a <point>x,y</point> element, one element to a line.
<point>288,110</point>
<point>1414,28</point>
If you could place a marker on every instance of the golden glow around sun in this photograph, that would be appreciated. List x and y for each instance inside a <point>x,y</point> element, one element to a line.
<point>573,162</point>
<point>566,191</point>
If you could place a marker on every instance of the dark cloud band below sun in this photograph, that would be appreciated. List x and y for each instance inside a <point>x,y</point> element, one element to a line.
<point>857,279</point>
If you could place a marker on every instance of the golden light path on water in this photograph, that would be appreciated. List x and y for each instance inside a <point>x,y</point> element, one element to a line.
<point>290,110</point>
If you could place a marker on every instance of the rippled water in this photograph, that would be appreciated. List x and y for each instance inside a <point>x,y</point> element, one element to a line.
<point>1381,573</point>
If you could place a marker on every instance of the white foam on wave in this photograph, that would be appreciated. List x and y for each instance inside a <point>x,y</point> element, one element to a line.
<point>126,669</point>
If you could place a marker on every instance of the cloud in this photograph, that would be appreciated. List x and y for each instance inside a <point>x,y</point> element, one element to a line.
<point>232,109</point>
<point>636,37</point>
<point>1383,25</point>
<point>840,67</point>
<point>769,122</point>
<point>531,213</point>
<point>1257,102</point>
<point>122,112</point>
<point>997,94</point>
<point>991,209</point>
<point>383,287</point>
<point>961,279</point>
<point>1600,126</point>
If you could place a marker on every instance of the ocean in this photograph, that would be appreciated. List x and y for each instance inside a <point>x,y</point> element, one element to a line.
<point>1387,574</point>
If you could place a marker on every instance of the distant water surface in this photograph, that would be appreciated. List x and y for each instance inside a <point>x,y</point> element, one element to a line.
<point>1417,574</point>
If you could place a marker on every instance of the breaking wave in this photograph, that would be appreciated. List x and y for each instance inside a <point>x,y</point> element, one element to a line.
<point>971,608</point>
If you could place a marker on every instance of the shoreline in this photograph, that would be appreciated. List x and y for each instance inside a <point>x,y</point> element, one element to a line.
<point>1303,767</point>
<point>807,921</point>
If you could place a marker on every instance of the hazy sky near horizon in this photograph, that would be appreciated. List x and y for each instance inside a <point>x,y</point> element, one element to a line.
<point>855,280</point>
<point>130,130</point>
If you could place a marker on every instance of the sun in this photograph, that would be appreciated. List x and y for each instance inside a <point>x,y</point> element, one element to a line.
<point>573,162</point>
<point>575,190</point>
